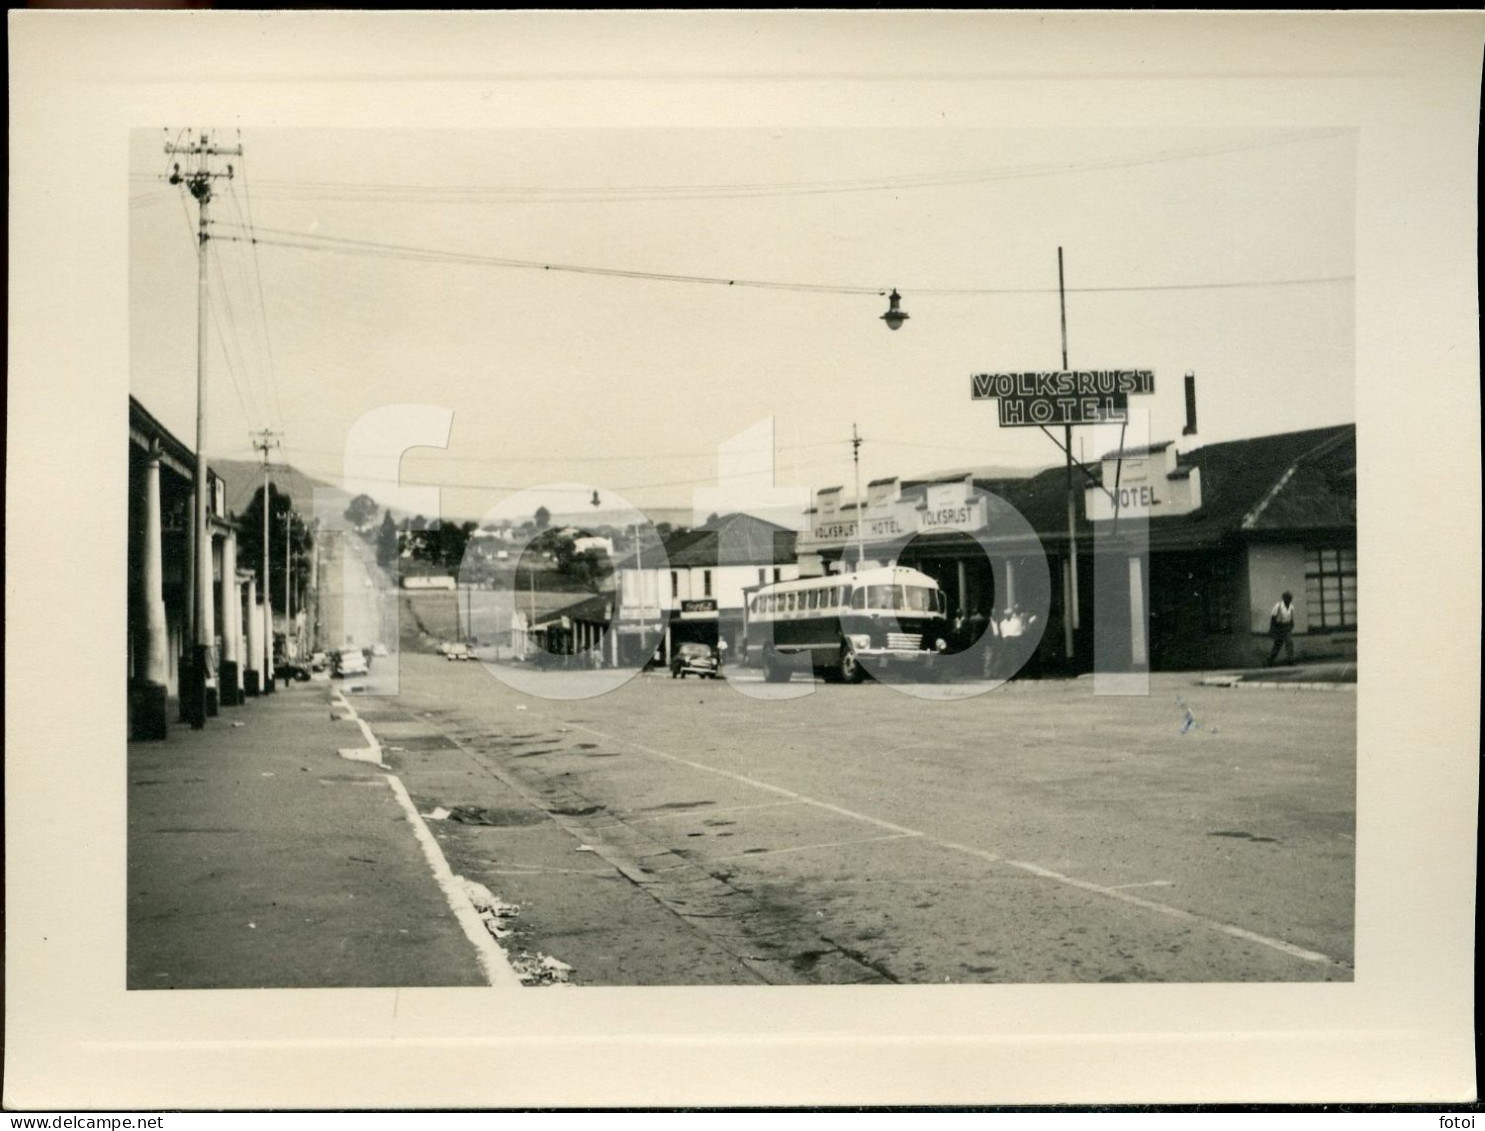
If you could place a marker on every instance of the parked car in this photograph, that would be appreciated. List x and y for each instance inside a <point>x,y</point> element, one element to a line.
<point>458,652</point>
<point>318,662</point>
<point>378,649</point>
<point>290,669</point>
<point>348,662</point>
<point>694,659</point>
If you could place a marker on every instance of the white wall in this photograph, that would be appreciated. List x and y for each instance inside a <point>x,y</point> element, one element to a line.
<point>1271,570</point>
<point>728,583</point>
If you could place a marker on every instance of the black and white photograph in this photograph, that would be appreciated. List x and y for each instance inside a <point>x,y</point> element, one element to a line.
<point>830,557</point>
<point>833,554</point>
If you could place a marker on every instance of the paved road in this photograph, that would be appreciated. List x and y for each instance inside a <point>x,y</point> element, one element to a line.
<point>692,835</point>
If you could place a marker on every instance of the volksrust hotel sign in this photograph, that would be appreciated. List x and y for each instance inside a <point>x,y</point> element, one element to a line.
<point>1061,396</point>
<point>935,513</point>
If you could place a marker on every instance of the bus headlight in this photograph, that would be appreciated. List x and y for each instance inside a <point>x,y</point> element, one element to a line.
<point>861,641</point>
<point>941,644</point>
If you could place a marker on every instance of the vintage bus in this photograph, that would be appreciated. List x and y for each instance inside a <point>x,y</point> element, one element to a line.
<point>888,616</point>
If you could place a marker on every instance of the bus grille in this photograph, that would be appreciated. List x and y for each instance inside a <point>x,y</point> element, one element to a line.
<point>904,641</point>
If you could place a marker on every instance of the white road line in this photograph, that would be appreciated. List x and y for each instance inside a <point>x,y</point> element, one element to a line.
<point>493,961</point>
<point>1026,866</point>
<point>1176,913</point>
<point>811,847</point>
<point>754,782</point>
<point>1144,884</point>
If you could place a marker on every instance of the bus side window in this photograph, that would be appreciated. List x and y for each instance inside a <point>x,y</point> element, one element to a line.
<point>814,598</point>
<point>753,604</point>
<point>858,599</point>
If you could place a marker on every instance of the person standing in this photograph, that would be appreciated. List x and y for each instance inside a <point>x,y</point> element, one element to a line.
<point>982,634</point>
<point>1281,628</point>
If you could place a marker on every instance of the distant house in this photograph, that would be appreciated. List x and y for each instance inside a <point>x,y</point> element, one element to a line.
<point>696,581</point>
<point>593,542</point>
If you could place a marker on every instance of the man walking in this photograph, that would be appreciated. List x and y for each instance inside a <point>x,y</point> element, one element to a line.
<point>1281,628</point>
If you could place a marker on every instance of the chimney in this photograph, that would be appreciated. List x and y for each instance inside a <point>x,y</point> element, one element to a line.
<point>1190,429</point>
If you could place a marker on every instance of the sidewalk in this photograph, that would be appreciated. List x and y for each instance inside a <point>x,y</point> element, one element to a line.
<point>1334,676</point>
<point>258,857</point>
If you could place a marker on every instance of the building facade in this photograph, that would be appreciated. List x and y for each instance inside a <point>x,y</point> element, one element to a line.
<point>692,587</point>
<point>1230,527</point>
<point>161,632</point>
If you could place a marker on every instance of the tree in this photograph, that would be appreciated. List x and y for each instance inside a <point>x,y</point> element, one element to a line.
<point>588,568</point>
<point>445,545</point>
<point>388,544</point>
<point>250,542</point>
<point>362,511</point>
<point>543,516</point>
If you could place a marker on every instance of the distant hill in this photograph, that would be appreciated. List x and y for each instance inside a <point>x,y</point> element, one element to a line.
<point>244,477</point>
<point>984,471</point>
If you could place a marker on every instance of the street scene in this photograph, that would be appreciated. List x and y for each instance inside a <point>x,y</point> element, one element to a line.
<point>651,558</point>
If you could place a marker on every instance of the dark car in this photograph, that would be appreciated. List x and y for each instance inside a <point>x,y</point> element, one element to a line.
<point>694,659</point>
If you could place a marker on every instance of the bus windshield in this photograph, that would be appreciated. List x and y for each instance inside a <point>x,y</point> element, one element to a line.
<point>918,599</point>
<point>905,598</point>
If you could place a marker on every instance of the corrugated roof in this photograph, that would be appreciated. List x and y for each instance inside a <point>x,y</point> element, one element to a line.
<point>744,539</point>
<point>1307,478</point>
<point>595,609</point>
<point>1140,450</point>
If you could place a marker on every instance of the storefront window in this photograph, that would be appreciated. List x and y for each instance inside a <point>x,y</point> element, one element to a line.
<point>1330,588</point>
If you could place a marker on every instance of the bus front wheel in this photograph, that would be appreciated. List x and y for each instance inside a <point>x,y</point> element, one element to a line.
<point>850,667</point>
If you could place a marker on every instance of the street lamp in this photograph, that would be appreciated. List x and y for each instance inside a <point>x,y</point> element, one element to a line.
<point>894,317</point>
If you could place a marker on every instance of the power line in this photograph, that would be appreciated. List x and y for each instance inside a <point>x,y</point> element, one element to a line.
<point>586,459</point>
<point>348,246</point>
<point>258,275</point>
<point>528,194</point>
<point>694,481</point>
<point>232,325</point>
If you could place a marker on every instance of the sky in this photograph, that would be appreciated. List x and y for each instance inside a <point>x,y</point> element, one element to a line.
<point>627,384</point>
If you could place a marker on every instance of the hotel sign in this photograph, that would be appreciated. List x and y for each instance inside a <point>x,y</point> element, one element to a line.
<point>944,511</point>
<point>1061,396</point>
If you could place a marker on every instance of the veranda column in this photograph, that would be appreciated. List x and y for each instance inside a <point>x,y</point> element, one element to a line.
<point>231,674</point>
<point>253,675</point>
<point>151,719</point>
<point>209,613</point>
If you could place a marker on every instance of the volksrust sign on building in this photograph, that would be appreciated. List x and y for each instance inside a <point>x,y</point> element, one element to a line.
<point>939,507</point>
<point>1060,396</point>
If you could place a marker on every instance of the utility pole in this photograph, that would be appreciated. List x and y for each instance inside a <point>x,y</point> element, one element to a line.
<point>198,177</point>
<point>288,564</point>
<point>860,502</point>
<point>1070,593</point>
<point>288,575</point>
<point>314,587</point>
<point>266,441</point>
